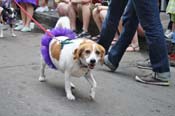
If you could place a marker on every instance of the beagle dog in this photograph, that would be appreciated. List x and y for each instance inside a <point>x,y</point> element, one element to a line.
<point>75,57</point>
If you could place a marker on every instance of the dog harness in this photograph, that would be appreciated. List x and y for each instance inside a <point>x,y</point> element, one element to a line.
<point>46,39</point>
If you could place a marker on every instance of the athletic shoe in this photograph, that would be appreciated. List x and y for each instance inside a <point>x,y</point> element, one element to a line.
<point>18,28</point>
<point>152,79</point>
<point>146,64</point>
<point>26,29</point>
<point>109,64</point>
<point>167,31</point>
<point>169,35</point>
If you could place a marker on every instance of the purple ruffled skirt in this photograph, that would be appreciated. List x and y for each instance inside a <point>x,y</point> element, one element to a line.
<point>33,2</point>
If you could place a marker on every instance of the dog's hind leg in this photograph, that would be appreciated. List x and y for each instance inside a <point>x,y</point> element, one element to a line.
<point>69,94</point>
<point>42,77</point>
<point>12,30</point>
<point>93,83</point>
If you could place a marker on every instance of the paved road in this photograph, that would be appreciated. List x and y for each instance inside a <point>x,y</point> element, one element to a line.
<point>21,94</point>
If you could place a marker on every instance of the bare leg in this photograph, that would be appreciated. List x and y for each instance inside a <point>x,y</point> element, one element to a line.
<point>62,9</point>
<point>86,15</point>
<point>23,16</point>
<point>97,19</point>
<point>30,11</point>
<point>134,46</point>
<point>135,41</point>
<point>72,15</point>
<point>45,3</point>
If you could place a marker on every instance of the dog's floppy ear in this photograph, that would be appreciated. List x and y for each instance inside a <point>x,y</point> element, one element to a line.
<point>56,50</point>
<point>102,53</point>
<point>76,56</point>
<point>78,52</point>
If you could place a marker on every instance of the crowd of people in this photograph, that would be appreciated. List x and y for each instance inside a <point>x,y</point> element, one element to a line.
<point>120,23</point>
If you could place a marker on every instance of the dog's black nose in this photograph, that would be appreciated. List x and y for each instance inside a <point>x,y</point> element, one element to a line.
<point>92,61</point>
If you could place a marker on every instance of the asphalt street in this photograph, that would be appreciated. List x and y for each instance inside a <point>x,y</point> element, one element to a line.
<point>117,94</point>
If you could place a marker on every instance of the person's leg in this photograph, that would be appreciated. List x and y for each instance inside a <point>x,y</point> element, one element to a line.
<point>86,15</point>
<point>96,17</point>
<point>44,3</point>
<point>130,23</point>
<point>110,24</point>
<point>103,14</point>
<point>62,9</point>
<point>150,20</point>
<point>170,24</point>
<point>30,9</point>
<point>23,17</point>
<point>134,46</point>
<point>72,15</point>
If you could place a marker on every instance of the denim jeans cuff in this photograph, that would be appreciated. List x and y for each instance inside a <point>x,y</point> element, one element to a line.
<point>165,76</point>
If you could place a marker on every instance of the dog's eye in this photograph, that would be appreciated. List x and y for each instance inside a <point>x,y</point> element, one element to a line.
<point>97,52</point>
<point>87,51</point>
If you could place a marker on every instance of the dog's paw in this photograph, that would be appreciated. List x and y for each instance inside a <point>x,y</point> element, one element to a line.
<point>70,97</point>
<point>42,79</point>
<point>92,95</point>
<point>1,36</point>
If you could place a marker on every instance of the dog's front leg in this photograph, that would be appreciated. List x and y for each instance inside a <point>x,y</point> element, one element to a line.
<point>1,30</point>
<point>93,84</point>
<point>12,30</point>
<point>69,94</point>
<point>42,71</point>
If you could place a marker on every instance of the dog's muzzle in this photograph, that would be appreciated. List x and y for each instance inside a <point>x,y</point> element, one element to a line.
<point>92,63</point>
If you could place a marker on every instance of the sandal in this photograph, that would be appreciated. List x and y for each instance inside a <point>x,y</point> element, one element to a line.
<point>132,48</point>
<point>95,38</point>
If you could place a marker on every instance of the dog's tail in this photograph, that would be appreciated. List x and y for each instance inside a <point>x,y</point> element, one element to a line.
<point>63,22</point>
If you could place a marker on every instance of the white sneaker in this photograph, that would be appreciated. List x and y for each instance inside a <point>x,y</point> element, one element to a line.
<point>167,31</point>
<point>18,28</point>
<point>19,23</point>
<point>169,35</point>
<point>42,9</point>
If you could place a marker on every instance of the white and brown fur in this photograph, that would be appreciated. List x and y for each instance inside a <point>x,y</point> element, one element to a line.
<point>7,14</point>
<point>77,59</point>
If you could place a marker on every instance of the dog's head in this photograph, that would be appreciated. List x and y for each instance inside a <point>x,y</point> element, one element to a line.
<point>8,13</point>
<point>89,53</point>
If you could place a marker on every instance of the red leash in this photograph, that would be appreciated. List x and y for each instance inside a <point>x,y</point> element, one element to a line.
<point>36,22</point>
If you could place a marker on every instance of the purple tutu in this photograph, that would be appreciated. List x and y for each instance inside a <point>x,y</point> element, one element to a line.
<point>33,2</point>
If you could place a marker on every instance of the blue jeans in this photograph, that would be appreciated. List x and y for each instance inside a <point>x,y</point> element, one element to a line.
<point>173,39</point>
<point>149,19</point>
